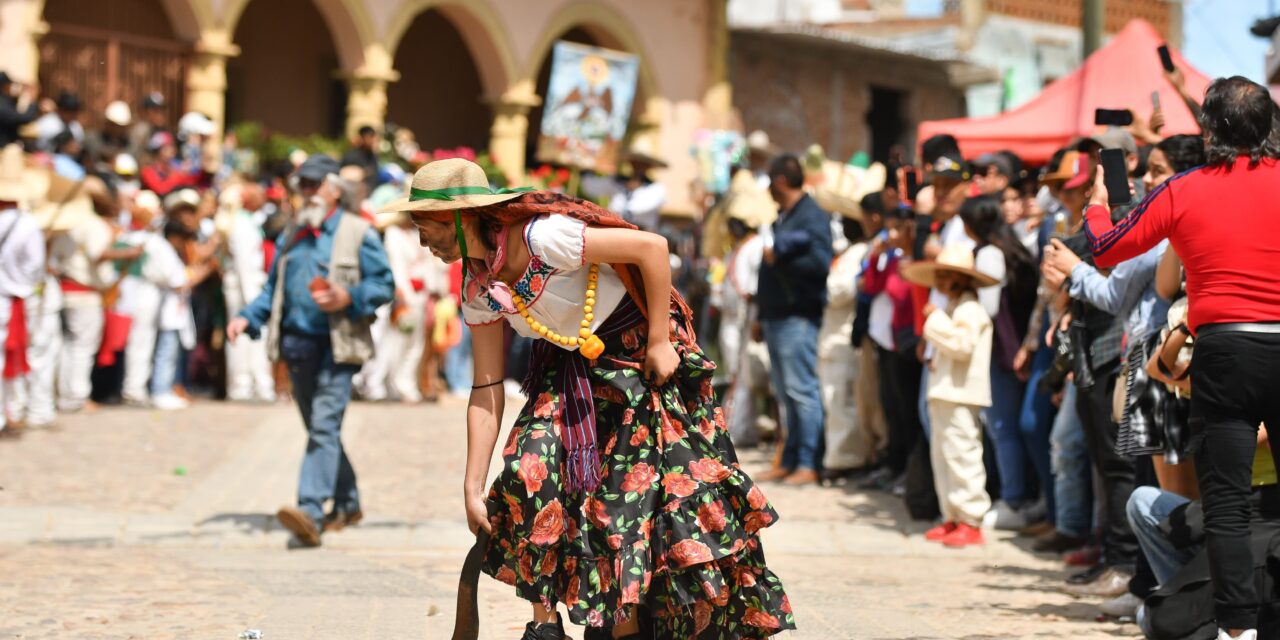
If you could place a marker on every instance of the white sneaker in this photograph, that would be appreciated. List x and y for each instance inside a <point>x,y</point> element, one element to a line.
<point>1250,634</point>
<point>169,402</point>
<point>1003,517</point>
<point>1124,605</point>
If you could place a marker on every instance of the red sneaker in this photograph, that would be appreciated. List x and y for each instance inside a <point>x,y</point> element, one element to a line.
<point>939,532</point>
<point>963,536</point>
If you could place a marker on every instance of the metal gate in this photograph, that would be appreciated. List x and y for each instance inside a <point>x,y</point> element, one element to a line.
<point>102,66</point>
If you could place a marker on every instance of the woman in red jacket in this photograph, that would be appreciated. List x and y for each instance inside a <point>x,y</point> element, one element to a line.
<point>1223,220</point>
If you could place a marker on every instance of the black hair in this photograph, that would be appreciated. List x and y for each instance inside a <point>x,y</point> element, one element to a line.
<point>367,130</point>
<point>1238,117</point>
<point>938,146</point>
<point>788,167</point>
<point>62,139</point>
<point>1183,152</point>
<point>174,229</point>
<point>853,229</point>
<point>872,203</point>
<point>984,216</point>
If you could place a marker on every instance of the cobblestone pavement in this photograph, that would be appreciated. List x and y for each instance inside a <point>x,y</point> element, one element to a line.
<point>148,525</point>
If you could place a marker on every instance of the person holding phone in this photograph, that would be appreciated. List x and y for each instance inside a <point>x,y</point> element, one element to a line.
<point>1222,220</point>
<point>330,274</point>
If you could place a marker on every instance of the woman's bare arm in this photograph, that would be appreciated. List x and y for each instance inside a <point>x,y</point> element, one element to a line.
<point>1169,275</point>
<point>484,418</point>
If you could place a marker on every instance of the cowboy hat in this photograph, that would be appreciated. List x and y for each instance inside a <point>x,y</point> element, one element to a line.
<point>759,142</point>
<point>845,185</point>
<point>445,186</point>
<point>13,186</point>
<point>67,205</point>
<point>955,259</point>
<point>749,203</point>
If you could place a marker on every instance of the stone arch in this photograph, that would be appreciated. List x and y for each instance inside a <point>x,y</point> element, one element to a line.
<point>481,28</point>
<point>349,25</point>
<point>188,18</point>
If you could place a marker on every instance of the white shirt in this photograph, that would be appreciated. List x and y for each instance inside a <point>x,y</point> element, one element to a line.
<point>49,125</point>
<point>245,267</point>
<point>880,321</point>
<point>410,261</point>
<point>990,260</point>
<point>842,300</point>
<point>555,283</point>
<point>742,276</point>
<point>21,254</point>
<point>76,253</point>
<point>640,206</point>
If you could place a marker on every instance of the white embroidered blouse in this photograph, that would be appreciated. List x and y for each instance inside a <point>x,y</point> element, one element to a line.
<point>554,285</point>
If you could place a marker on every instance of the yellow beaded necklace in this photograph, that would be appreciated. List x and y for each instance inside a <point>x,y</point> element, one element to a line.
<point>590,345</point>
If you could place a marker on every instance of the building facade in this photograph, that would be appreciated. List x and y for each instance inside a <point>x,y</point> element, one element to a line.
<point>456,72</point>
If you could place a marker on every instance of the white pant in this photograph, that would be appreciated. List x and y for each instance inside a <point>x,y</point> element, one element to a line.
<point>838,374</point>
<point>32,397</point>
<point>394,369</point>
<point>248,367</point>
<point>142,342</point>
<point>6,310</point>
<point>956,452</point>
<point>81,338</point>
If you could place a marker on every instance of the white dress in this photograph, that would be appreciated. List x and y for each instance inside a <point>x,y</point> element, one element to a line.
<point>554,285</point>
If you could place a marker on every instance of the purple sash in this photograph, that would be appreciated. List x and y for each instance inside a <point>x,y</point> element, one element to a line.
<point>573,384</point>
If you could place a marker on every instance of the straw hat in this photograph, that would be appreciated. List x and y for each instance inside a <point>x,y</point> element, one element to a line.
<point>759,142</point>
<point>748,202</point>
<point>13,187</point>
<point>445,186</point>
<point>67,204</point>
<point>955,259</point>
<point>844,186</point>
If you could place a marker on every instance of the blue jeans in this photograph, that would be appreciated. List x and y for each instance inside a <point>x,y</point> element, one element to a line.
<point>1036,423</point>
<point>165,363</point>
<point>457,364</point>
<point>1147,508</point>
<point>322,390</point>
<point>922,403</point>
<point>793,357</point>
<point>1006,434</point>
<point>1073,477</point>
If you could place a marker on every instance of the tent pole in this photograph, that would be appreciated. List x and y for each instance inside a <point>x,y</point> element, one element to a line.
<point>1091,23</point>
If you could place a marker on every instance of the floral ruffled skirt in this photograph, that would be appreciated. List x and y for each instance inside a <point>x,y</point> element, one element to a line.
<point>672,529</point>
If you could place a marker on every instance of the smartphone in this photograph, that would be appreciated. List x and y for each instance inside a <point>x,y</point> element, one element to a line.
<point>1165,58</point>
<point>1155,100</point>
<point>1115,175</point>
<point>912,178</point>
<point>1113,117</point>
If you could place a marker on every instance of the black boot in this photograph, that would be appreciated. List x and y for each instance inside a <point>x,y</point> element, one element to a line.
<point>548,631</point>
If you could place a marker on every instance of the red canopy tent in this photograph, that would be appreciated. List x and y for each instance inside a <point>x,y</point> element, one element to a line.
<point>1120,75</point>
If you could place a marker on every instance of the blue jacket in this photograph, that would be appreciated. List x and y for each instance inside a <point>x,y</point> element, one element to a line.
<point>308,258</point>
<point>795,285</point>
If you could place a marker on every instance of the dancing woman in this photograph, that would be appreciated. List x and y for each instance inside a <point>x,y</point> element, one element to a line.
<point>620,495</point>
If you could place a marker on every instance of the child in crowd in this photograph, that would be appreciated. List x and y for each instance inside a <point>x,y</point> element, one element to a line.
<point>959,388</point>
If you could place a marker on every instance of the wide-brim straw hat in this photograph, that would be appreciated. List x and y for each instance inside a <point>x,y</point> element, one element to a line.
<point>844,186</point>
<point>67,204</point>
<point>445,186</point>
<point>636,156</point>
<point>747,202</point>
<point>955,259</point>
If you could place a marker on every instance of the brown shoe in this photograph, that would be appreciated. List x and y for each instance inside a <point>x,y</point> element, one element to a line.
<point>1036,530</point>
<point>773,475</point>
<point>802,477</point>
<point>300,524</point>
<point>1109,584</point>
<point>339,520</point>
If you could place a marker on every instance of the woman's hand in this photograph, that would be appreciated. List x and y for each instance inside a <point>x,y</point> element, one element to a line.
<point>477,514</point>
<point>660,363</point>
<point>1022,363</point>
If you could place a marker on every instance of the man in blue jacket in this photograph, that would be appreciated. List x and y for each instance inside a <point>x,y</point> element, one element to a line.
<point>791,298</point>
<point>329,276</point>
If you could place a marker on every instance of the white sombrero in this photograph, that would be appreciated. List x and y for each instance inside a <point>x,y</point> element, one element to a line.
<point>448,185</point>
<point>955,259</point>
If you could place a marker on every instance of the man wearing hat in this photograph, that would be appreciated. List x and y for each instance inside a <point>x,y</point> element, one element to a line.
<point>759,150</point>
<point>748,209</point>
<point>154,120</point>
<point>21,268</point>
<point>328,279</point>
<point>103,146</point>
<point>65,118</point>
<point>243,276</point>
<point>18,106</point>
<point>641,199</point>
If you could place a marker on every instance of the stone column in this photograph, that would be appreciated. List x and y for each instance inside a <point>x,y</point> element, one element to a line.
<point>21,28</point>
<point>367,90</point>
<point>207,77</point>
<point>510,131</point>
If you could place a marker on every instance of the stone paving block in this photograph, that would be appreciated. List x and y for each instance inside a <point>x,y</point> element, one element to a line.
<point>442,534</point>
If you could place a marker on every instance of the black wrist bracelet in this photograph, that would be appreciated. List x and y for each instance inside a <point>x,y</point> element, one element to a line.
<point>485,386</point>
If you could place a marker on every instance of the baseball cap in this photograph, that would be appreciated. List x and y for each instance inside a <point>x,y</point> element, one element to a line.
<point>1116,138</point>
<point>317,167</point>
<point>997,160</point>
<point>1073,171</point>
<point>159,139</point>
<point>118,113</point>
<point>181,198</point>
<point>153,100</point>
<point>125,165</point>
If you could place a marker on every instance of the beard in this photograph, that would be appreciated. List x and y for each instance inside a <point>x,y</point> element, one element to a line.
<point>312,214</point>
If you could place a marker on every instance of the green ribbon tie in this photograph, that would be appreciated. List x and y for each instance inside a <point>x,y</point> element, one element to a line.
<point>447,193</point>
